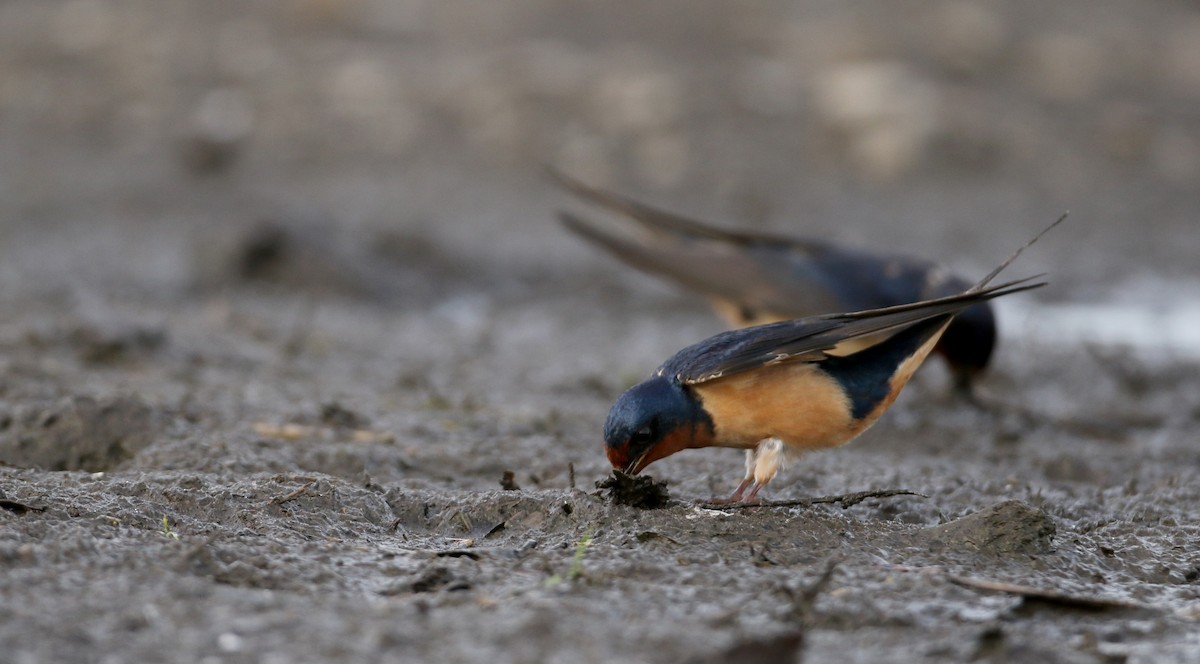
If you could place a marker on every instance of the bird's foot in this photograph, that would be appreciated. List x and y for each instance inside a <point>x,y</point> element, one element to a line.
<point>739,495</point>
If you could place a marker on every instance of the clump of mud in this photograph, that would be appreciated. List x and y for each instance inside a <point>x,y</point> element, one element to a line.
<point>643,492</point>
<point>77,433</point>
<point>1008,527</point>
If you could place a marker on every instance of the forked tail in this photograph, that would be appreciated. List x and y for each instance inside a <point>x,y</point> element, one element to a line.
<point>992,275</point>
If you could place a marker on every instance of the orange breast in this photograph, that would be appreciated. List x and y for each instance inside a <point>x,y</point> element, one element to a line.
<point>795,402</point>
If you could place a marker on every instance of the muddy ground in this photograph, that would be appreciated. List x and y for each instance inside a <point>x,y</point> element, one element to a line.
<point>283,301</point>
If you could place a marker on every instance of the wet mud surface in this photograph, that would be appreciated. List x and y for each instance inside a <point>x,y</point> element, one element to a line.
<point>295,364</point>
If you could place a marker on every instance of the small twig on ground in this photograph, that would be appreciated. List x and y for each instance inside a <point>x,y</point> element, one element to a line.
<point>279,500</point>
<point>571,474</point>
<point>284,431</point>
<point>18,507</point>
<point>293,432</point>
<point>1056,597</point>
<point>845,500</point>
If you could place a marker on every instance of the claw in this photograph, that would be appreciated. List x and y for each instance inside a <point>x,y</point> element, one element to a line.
<point>737,496</point>
<point>752,497</point>
<point>741,489</point>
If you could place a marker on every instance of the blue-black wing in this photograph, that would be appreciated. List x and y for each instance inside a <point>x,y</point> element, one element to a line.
<point>766,275</point>
<point>808,339</point>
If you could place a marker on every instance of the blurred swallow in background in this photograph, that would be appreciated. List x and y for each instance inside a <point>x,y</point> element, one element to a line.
<point>779,389</point>
<point>752,278</point>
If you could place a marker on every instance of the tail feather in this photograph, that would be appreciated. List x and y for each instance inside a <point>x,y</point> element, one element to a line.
<point>992,275</point>
<point>649,217</point>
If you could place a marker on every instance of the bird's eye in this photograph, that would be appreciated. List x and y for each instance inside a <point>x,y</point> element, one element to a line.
<point>642,436</point>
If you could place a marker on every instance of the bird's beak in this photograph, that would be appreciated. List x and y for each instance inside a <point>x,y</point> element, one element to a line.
<point>635,466</point>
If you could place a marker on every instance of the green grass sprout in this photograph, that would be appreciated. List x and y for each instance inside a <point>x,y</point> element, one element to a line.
<point>576,569</point>
<point>167,532</point>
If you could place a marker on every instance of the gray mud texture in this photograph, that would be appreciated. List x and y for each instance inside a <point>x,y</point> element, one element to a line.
<point>296,364</point>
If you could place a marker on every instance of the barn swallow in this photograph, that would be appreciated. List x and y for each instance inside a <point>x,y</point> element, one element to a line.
<point>753,278</point>
<point>779,389</point>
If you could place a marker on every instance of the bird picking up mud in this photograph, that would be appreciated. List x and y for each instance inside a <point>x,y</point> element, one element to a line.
<point>752,278</point>
<point>780,389</point>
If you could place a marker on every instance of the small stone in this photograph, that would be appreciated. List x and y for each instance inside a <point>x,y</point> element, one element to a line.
<point>1010,527</point>
<point>335,414</point>
<point>508,481</point>
<point>229,642</point>
<point>221,124</point>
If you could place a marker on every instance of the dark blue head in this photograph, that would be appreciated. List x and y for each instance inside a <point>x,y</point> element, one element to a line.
<point>652,420</point>
<point>968,342</point>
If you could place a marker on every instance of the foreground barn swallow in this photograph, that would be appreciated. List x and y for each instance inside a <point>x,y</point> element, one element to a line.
<point>779,389</point>
<point>753,278</point>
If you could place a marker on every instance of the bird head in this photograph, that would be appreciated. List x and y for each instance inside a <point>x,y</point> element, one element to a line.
<point>968,342</point>
<point>653,420</point>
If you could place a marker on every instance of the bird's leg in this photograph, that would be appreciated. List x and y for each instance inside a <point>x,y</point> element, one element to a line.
<point>741,489</point>
<point>752,497</point>
<point>964,388</point>
<point>762,464</point>
<point>737,493</point>
<point>769,457</point>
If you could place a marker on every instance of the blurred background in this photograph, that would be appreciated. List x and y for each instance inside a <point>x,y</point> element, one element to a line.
<point>396,146</point>
<point>249,245</point>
